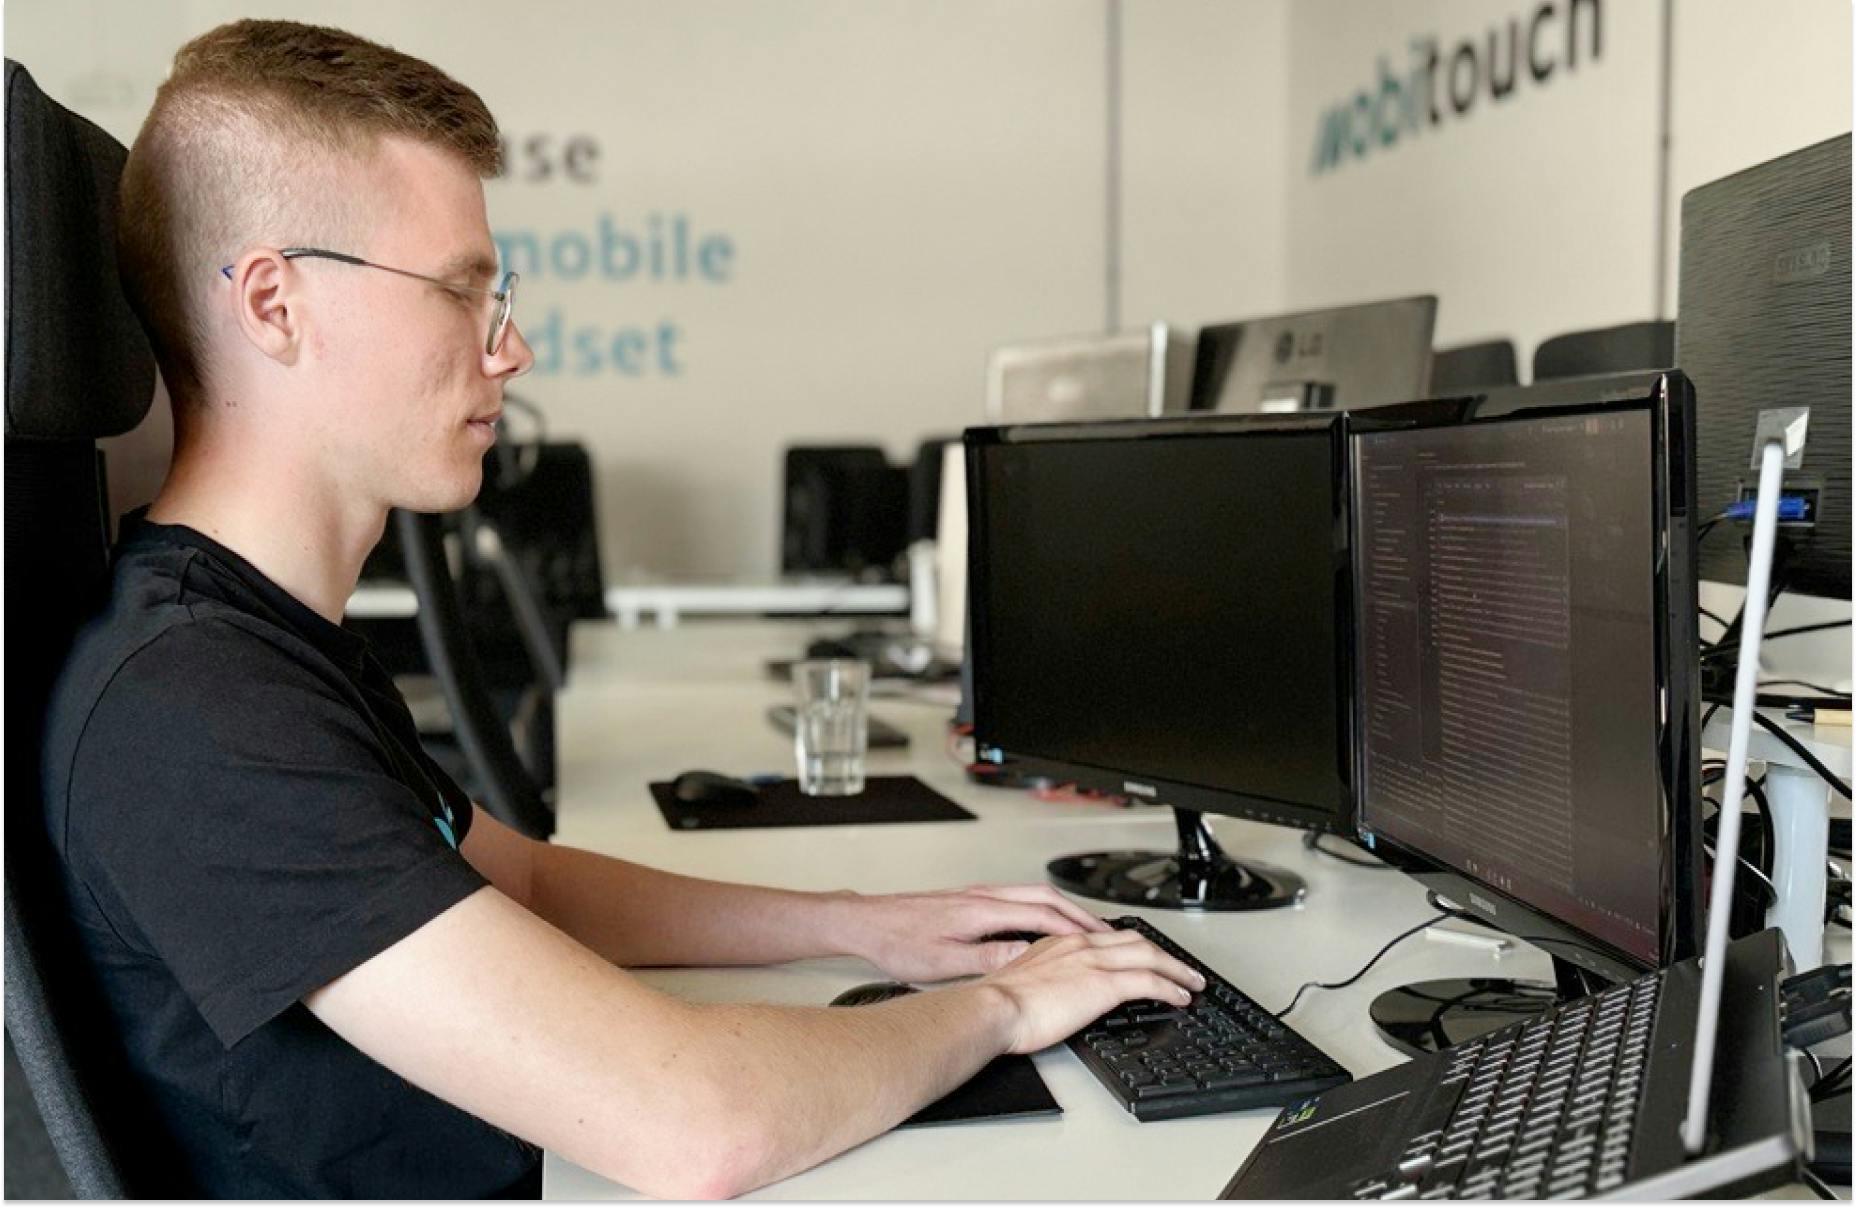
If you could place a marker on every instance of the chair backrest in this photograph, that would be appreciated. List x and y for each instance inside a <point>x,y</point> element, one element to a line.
<point>1620,349</point>
<point>77,368</point>
<point>1470,367</point>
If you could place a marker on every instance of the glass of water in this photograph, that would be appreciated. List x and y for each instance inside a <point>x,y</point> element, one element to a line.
<point>833,725</point>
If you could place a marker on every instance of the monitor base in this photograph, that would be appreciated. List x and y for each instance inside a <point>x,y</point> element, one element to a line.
<point>1199,876</point>
<point>1424,1017</point>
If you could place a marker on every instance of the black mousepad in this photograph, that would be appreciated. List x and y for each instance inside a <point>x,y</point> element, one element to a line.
<point>884,799</point>
<point>1005,1086</point>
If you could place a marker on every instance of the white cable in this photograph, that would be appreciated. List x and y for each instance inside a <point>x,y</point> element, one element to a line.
<point>1727,837</point>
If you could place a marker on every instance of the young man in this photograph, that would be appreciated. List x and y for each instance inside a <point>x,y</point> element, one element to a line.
<point>332,976</point>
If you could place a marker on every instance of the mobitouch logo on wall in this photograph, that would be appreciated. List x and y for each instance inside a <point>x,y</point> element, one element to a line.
<point>1526,51</point>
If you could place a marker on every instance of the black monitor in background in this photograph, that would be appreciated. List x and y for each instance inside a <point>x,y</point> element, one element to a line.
<point>1159,610</point>
<point>1763,326</point>
<point>1528,741</point>
<point>1319,360</point>
<point>846,511</point>
<point>925,487</point>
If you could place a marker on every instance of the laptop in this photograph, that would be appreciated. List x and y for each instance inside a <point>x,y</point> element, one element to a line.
<point>1587,1101</point>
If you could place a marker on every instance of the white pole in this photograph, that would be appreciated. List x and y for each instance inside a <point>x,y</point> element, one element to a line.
<point>1727,836</point>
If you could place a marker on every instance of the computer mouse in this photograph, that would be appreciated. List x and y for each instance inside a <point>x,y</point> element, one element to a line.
<point>714,789</point>
<point>1000,937</point>
<point>871,992</point>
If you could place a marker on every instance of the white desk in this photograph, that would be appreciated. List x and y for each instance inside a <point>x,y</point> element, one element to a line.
<point>1801,805</point>
<point>643,705</point>
<point>668,602</point>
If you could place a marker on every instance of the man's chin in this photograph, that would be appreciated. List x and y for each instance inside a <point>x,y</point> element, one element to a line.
<point>449,497</point>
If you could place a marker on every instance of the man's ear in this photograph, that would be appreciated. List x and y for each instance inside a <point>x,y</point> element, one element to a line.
<point>262,304</point>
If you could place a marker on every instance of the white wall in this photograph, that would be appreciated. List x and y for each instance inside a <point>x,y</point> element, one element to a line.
<point>1204,102</point>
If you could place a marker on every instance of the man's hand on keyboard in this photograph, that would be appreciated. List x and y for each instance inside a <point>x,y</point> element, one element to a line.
<point>926,937</point>
<point>1065,982</point>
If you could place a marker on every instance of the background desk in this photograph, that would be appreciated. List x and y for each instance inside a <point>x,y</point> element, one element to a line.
<point>668,602</point>
<point>645,704</point>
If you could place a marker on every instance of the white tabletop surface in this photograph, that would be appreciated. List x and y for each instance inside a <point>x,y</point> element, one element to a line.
<point>643,705</point>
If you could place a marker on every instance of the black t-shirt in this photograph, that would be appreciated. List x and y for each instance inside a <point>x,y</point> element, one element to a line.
<point>244,813</point>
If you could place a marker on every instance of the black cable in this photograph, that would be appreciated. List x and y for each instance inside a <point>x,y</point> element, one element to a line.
<point>1811,761</point>
<point>1818,688</point>
<point>1817,1185</point>
<point>1361,972</point>
<point>1833,1083</point>
<point>1796,629</point>
<point>1713,616</point>
<point>1729,641</point>
<point>1312,841</point>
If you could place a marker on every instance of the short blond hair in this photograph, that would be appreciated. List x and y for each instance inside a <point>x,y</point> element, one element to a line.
<point>244,146</point>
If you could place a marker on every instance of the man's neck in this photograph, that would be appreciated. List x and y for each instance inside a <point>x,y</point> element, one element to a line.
<point>299,533</point>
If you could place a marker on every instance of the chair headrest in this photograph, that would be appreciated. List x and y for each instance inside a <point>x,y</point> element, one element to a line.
<point>77,362</point>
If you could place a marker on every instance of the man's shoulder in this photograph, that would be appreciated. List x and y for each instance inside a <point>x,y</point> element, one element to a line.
<point>164,666</point>
<point>157,621</point>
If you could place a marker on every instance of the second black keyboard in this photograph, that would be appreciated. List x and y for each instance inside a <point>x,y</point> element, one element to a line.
<point>1222,1053</point>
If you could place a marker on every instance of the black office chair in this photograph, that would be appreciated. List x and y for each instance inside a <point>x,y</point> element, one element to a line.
<point>1621,349</point>
<point>492,621</point>
<point>1468,368</point>
<point>77,368</point>
<point>508,790</point>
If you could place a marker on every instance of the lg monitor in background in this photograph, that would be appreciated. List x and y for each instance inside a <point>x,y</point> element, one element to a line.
<point>1344,357</point>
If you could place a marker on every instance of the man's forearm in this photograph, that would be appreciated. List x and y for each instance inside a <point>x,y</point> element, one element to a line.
<point>637,917</point>
<point>887,1061</point>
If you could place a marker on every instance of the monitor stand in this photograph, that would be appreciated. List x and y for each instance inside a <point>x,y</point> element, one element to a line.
<point>1199,876</point>
<point>1427,1016</point>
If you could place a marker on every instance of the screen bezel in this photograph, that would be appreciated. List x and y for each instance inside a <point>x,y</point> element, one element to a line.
<point>1669,400</point>
<point>1181,795</point>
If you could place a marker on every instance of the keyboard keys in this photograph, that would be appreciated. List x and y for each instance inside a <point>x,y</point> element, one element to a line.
<point>1544,1111</point>
<point>1223,1052</point>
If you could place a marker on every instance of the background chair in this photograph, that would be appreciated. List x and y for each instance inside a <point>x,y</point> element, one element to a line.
<point>77,368</point>
<point>522,564</point>
<point>1620,349</point>
<point>1467,368</point>
<point>503,784</point>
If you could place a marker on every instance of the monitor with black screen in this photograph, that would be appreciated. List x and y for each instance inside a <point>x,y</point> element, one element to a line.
<point>1159,610</point>
<point>1343,357</point>
<point>1763,327</point>
<point>1528,743</point>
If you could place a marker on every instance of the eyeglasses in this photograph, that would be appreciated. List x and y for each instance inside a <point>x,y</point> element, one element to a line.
<point>504,294</point>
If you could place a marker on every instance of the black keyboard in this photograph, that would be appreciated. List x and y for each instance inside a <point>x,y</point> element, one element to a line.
<point>1223,1053</point>
<point>1541,1110</point>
